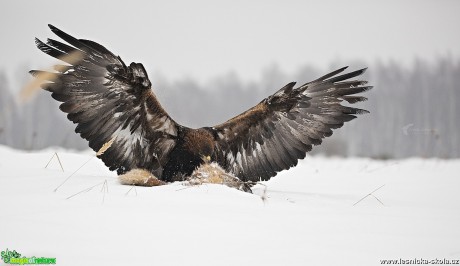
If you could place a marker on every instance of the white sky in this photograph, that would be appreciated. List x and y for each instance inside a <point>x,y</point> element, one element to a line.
<point>204,38</point>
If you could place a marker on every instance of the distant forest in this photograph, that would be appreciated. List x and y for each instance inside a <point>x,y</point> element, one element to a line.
<point>414,110</point>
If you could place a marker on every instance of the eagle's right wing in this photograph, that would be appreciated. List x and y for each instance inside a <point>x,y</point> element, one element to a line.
<point>111,103</point>
<point>276,133</point>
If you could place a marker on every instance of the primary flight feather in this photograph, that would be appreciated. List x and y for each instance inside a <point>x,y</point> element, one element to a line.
<point>112,102</point>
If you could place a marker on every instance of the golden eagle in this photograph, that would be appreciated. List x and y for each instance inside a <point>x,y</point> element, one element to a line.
<point>110,101</point>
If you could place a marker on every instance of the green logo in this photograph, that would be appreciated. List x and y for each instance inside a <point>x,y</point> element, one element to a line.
<point>13,257</point>
<point>7,255</point>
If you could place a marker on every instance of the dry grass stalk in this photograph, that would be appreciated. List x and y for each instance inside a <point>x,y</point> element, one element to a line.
<point>59,160</point>
<point>32,87</point>
<point>104,189</point>
<point>105,147</point>
<point>100,152</point>
<point>126,194</point>
<point>63,182</point>
<point>371,194</point>
<point>85,190</point>
<point>140,177</point>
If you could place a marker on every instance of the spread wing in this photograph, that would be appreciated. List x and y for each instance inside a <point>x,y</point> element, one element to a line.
<point>110,102</point>
<point>276,133</point>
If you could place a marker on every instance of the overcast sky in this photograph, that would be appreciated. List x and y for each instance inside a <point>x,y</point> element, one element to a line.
<point>204,38</point>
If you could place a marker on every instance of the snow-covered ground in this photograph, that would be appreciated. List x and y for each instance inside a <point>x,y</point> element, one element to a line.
<point>312,215</point>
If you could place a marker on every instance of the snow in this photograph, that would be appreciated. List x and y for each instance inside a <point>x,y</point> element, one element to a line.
<point>310,216</point>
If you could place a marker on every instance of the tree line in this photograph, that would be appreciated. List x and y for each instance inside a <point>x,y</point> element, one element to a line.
<point>413,110</point>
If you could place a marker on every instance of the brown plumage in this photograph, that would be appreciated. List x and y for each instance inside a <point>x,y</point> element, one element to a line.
<point>110,101</point>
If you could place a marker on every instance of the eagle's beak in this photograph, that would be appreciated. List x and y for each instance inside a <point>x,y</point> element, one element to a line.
<point>206,159</point>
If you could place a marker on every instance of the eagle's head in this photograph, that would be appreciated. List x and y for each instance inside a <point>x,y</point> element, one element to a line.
<point>201,143</point>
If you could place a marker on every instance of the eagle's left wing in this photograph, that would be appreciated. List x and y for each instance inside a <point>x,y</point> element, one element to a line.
<point>276,133</point>
<point>111,103</point>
